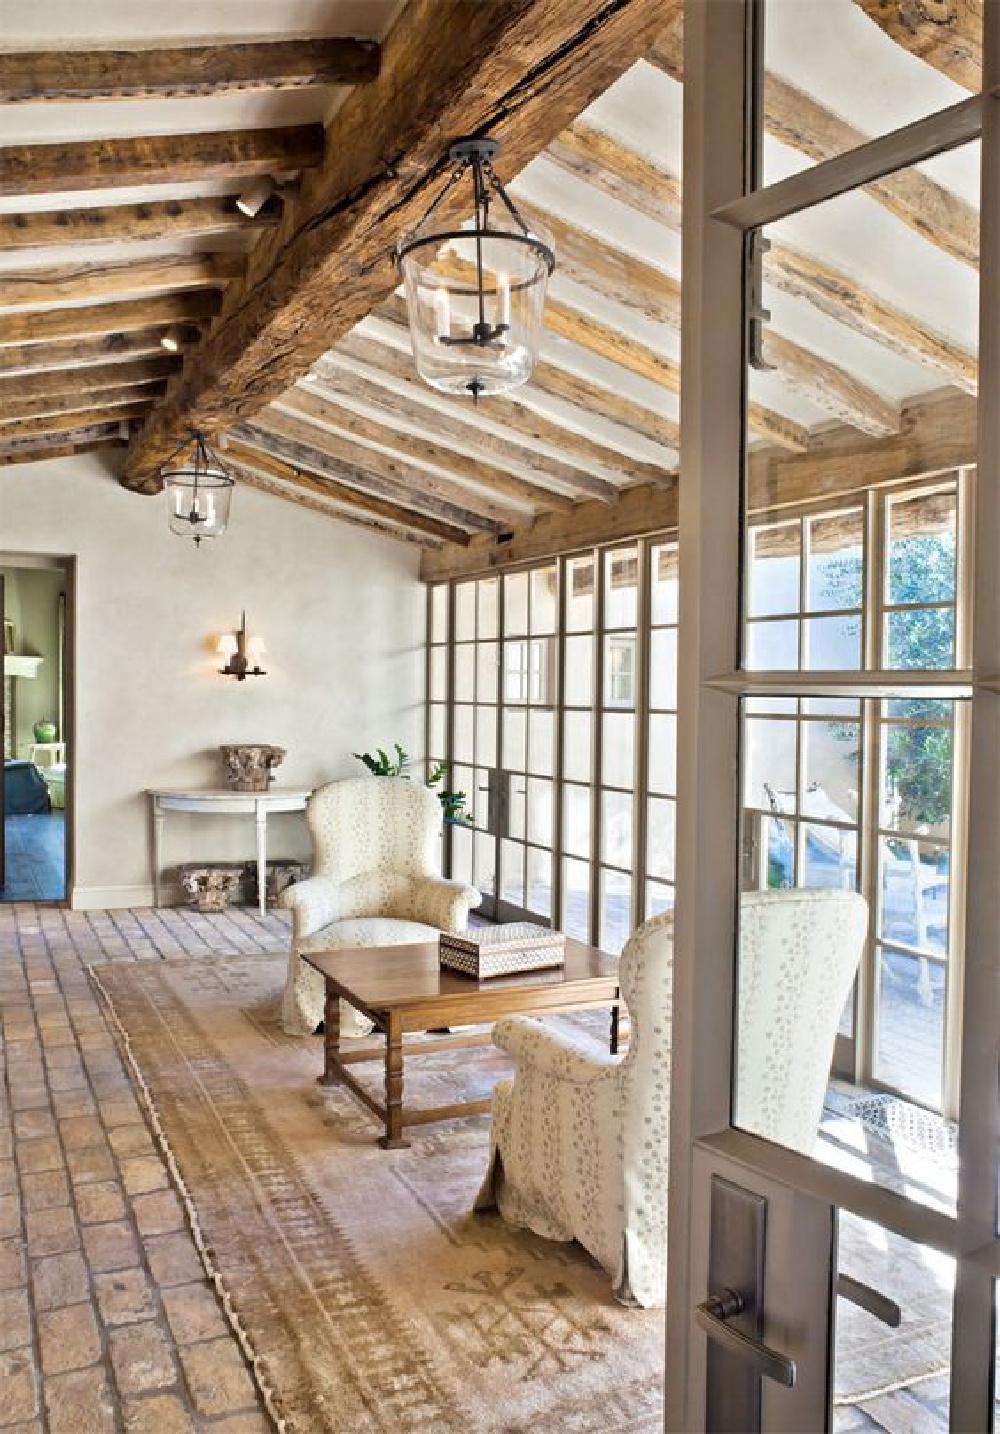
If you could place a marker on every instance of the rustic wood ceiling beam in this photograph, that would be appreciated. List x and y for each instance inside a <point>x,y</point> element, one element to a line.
<point>619,172</point>
<point>522,71</point>
<point>83,353</point>
<point>399,457</point>
<point>288,489</point>
<point>569,387</point>
<point>157,159</point>
<point>642,511</point>
<point>194,70</point>
<point>802,123</point>
<point>949,37</point>
<point>37,451</point>
<point>83,401</point>
<point>66,423</point>
<point>86,319</point>
<point>328,478</point>
<point>93,283</point>
<point>127,223</point>
<point>67,381</point>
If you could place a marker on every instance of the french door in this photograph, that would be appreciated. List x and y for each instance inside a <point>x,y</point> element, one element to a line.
<point>839,721</point>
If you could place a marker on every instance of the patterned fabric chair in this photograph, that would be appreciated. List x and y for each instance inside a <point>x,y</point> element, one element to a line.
<point>376,882</point>
<point>580,1137</point>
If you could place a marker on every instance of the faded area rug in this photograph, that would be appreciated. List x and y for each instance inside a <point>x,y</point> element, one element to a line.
<point>367,1293</point>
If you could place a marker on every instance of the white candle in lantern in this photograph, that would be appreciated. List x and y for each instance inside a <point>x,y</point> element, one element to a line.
<point>503,297</point>
<point>210,509</point>
<point>178,502</point>
<point>442,313</point>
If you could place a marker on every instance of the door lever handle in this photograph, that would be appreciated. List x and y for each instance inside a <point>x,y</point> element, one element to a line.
<point>872,1300</point>
<point>712,1316</point>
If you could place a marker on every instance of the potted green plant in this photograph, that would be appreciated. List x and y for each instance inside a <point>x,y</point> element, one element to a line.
<point>381,764</point>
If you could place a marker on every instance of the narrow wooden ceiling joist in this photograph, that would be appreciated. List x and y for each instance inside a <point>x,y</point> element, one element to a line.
<point>619,172</point>
<point>947,36</point>
<point>53,75</point>
<point>522,70</point>
<point>92,283</point>
<point>289,489</point>
<point>125,223</point>
<point>85,400</point>
<point>31,427</point>
<point>80,353</point>
<point>327,478</point>
<point>67,381</point>
<point>41,451</point>
<point>802,123</point>
<point>74,323</point>
<point>572,388</point>
<point>157,159</point>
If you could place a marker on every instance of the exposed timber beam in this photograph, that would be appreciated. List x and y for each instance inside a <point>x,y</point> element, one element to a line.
<point>641,511</point>
<point>53,75</point>
<point>83,401</point>
<point>124,223</point>
<point>91,283</point>
<point>42,451</point>
<point>72,323</point>
<point>371,421</point>
<point>65,423</point>
<point>522,71</point>
<point>802,123</point>
<point>620,172</point>
<point>638,418</point>
<point>330,479</point>
<point>82,353</point>
<point>289,489</point>
<point>397,456</point>
<point>67,381</point>
<point>157,159</point>
<point>947,36</point>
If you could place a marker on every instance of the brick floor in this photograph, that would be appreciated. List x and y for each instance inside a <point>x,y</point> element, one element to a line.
<point>106,1320</point>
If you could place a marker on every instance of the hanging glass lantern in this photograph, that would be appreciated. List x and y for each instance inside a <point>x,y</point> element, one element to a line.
<point>198,491</point>
<point>475,292</point>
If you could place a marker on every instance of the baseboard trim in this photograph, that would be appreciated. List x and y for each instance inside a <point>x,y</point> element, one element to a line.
<point>112,898</point>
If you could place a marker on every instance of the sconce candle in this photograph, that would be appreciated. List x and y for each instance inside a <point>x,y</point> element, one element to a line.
<point>239,650</point>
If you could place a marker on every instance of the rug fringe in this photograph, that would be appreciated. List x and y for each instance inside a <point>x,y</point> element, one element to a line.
<point>265,1388</point>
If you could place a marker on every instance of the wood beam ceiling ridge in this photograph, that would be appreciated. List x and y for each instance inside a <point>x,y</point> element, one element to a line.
<point>68,381</point>
<point>522,70</point>
<point>83,400</point>
<point>652,190</point>
<point>73,165</point>
<point>65,423</point>
<point>357,439</point>
<point>948,37</point>
<point>94,283</point>
<point>190,70</point>
<point>290,491</point>
<point>795,119</point>
<point>118,349</point>
<point>190,306</point>
<point>127,223</point>
<point>330,479</point>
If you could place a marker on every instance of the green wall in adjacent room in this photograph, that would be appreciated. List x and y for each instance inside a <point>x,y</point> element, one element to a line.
<point>31,602</point>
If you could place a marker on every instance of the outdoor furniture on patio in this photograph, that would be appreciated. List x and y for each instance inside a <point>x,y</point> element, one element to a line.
<point>376,882</point>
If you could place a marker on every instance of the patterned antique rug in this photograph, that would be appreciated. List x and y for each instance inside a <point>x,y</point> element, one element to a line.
<point>366,1292</point>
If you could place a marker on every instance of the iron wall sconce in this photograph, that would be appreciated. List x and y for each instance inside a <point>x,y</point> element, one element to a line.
<point>239,650</point>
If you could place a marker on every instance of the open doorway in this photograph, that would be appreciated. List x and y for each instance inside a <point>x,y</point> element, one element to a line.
<point>37,701</point>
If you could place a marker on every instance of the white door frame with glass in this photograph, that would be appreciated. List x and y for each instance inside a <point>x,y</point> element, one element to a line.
<point>785,1216</point>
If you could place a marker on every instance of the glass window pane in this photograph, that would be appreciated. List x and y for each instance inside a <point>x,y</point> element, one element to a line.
<point>620,674</point>
<point>465,612</point>
<point>910,1044</point>
<point>922,547</point>
<point>464,749</point>
<point>515,600</point>
<point>485,849</point>
<point>540,813</point>
<point>486,671</point>
<point>831,770</point>
<point>772,646</point>
<point>577,746</point>
<point>515,740</point>
<point>544,599</point>
<point>835,577</point>
<point>539,876</point>
<point>916,772</point>
<point>920,638</point>
<point>914,885</point>
<point>663,668</point>
<point>512,872</point>
<point>439,674</point>
<point>616,828</point>
<point>481,794</point>
<point>439,613</point>
<point>664,578</point>
<point>617,749</point>
<point>486,736</point>
<point>829,857</point>
<point>662,763</point>
<point>661,822</point>
<point>461,854</point>
<point>621,592</point>
<point>578,677</point>
<point>489,598</point>
<point>575,919</point>
<point>541,731</point>
<point>465,671</point>
<point>516,806</point>
<point>541,671</point>
<point>616,911</point>
<point>832,644</point>
<point>775,569</point>
<point>580,594</point>
<point>659,897</point>
<point>516,671</point>
<point>437,731</point>
<point>769,755</point>
<point>576,820</point>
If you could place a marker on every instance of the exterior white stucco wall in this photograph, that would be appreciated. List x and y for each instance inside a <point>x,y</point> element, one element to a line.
<point>343,616</point>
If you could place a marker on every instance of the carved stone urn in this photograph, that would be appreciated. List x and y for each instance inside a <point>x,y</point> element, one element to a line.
<point>249,765</point>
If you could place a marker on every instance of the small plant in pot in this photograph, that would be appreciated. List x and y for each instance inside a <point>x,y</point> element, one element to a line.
<point>380,764</point>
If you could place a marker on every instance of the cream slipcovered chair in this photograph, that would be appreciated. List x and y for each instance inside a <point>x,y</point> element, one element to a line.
<point>579,1139</point>
<point>376,882</point>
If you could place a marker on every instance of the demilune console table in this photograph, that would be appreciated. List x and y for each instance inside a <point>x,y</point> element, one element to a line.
<point>223,801</point>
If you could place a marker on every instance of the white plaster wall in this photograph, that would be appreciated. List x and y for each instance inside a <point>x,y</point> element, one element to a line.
<point>342,613</point>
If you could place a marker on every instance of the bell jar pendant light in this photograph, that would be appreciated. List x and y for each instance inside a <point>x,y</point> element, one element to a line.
<point>475,292</point>
<point>198,491</point>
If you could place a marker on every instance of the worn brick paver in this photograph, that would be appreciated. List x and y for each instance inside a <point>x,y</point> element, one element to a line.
<point>107,1323</point>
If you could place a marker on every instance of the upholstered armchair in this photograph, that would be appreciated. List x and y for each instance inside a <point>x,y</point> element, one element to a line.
<point>579,1140</point>
<point>376,882</point>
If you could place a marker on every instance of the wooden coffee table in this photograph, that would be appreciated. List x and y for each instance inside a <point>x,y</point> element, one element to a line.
<point>403,989</point>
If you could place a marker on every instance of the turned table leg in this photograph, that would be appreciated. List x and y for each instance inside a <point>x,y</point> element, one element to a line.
<point>393,1137</point>
<point>331,1038</point>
